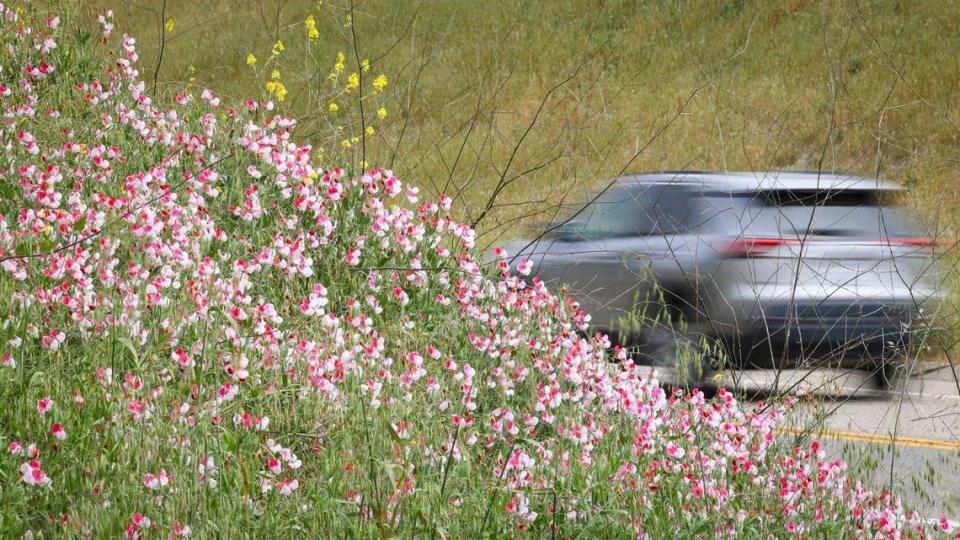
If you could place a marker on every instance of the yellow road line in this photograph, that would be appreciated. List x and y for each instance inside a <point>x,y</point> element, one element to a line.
<point>915,442</point>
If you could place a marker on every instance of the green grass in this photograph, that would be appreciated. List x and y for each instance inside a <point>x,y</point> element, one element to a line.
<point>868,87</point>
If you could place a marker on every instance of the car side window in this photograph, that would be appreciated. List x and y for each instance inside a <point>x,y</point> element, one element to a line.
<point>636,211</point>
<point>669,209</point>
<point>612,215</point>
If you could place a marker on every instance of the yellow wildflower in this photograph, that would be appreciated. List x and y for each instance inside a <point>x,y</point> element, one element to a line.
<point>380,83</point>
<point>312,33</point>
<point>341,58</point>
<point>370,131</point>
<point>346,143</point>
<point>277,47</point>
<point>365,65</point>
<point>353,82</point>
<point>251,59</point>
<point>281,92</point>
<point>275,87</point>
<point>333,107</point>
<point>381,113</point>
<point>169,25</point>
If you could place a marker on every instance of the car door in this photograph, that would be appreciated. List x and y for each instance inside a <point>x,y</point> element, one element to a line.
<point>597,255</point>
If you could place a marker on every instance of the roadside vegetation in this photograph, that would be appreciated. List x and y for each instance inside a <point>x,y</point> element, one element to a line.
<point>214,327</point>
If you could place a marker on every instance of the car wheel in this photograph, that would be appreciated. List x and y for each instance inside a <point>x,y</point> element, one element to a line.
<point>894,375</point>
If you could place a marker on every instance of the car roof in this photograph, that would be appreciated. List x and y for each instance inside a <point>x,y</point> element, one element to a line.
<point>763,181</point>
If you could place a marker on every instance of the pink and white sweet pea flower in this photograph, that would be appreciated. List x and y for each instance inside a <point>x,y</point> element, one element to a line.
<point>524,266</point>
<point>32,474</point>
<point>157,481</point>
<point>286,487</point>
<point>43,405</point>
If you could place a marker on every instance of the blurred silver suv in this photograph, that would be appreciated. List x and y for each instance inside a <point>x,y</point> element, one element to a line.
<point>780,268</point>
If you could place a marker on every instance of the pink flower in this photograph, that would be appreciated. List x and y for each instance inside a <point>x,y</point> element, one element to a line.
<point>353,256</point>
<point>32,474</point>
<point>57,431</point>
<point>182,358</point>
<point>44,405</point>
<point>286,487</point>
<point>157,481</point>
<point>524,267</point>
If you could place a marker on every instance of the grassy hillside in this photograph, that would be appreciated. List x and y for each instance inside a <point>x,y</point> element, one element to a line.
<point>868,87</point>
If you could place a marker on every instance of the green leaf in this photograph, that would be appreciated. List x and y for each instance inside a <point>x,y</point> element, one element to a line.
<point>133,351</point>
<point>701,529</point>
<point>38,378</point>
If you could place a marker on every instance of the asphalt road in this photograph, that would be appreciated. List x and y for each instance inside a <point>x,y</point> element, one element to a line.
<point>907,441</point>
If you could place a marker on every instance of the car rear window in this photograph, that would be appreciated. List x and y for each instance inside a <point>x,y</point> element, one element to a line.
<point>849,213</point>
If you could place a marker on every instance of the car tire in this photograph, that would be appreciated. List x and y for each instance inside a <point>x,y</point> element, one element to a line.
<point>894,376</point>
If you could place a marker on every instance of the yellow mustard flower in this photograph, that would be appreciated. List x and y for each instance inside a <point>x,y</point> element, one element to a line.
<point>333,107</point>
<point>370,131</point>
<point>380,83</point>
<point>169,25</point>
<point>353,82</point>
<point>312,33</point>
<point>381,113</point>
<point>277,47</point>
<point>251,59</point>
<point>281,92</point>
<point>346,143</point>
<point>365,65</point>
<point>275,87</point>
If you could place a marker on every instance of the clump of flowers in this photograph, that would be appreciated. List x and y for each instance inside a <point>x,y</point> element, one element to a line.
<point>311,25</point>
<point>265,343</point>
<point>275,87</point>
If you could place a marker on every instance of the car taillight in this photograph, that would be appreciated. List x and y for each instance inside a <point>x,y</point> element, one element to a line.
<point>751,247</point>
<point>919,242</point>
